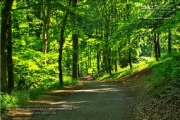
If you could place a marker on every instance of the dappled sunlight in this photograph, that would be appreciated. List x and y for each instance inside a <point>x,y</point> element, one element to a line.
<point>57,97</point>
<point>43,101</point>
<point>99,90</point>
<point>65,103</point>
<point>88,90</point>
<point>94,96</point>
<point>94,55</point>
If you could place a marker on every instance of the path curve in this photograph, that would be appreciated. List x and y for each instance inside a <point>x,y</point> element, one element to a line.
<point>95,100</point>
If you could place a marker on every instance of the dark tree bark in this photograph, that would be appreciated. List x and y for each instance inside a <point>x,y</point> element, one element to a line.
<point>115,65</point>
<point>107,35</point>
<point>79,75</point>
<point>87,68</point>
<point>6,37</point>
<point>61,42</point>
<point>169,41</point>
<point>129,53</point>
<point>158,46</point>
<point>155,45</point>
<point>130,59</point>
<point>9,59</point>
<point>60,56</point>
<point>75,56</point>
<point>75,46</point>
<point>105,61</point>
<point>98,61</point>
<point>109,61</point>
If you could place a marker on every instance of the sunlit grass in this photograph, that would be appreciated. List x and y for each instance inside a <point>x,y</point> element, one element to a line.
<point>69,81</point>
<point>125,71</point>
<point>103,77</point>
<point>18,98</point>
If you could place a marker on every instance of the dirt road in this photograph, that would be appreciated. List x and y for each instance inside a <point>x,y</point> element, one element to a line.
<point>94,100</point>
<point>121,99</point>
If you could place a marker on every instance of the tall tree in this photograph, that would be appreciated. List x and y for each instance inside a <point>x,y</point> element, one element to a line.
<point>46,21</point>
<point>75,42</point>
<point>6,39</point>
<point>61,42</point>
<point>129,51</point>
<point>169,41</point>
<point>155,44</point>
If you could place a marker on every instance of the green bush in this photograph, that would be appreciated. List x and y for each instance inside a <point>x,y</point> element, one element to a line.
<point>165,76</point>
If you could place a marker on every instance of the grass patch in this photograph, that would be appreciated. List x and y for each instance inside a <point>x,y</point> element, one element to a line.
<point>69,81</point>
<point>125,71</point>
<point>18,98</point>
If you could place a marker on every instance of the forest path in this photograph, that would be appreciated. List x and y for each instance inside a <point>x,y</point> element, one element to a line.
<point>95,101</point>
<point>90,100</point>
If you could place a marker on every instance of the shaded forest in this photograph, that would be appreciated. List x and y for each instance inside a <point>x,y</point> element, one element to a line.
<point>47,44</point>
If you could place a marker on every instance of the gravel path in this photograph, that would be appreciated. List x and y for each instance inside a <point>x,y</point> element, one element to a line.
<point>93,101</point>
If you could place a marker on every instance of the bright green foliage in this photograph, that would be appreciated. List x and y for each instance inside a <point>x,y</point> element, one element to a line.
<point>143,64</point>
<point>18,98</point>
<point>165,79</point>
<point>112,35</point>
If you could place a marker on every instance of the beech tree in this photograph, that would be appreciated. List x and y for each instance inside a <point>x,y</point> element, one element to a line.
<point>75,42</point>
<point>61,42</point>
<point>6,44</point>
<point>75,38</point>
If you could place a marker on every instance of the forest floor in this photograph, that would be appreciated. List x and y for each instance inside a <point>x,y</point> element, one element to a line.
<point>121,99</point>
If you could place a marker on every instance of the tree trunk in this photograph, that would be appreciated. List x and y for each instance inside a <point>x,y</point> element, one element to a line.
<point>169,41</point>
<point>129,53</point>
<point>98,61</point>
<point>105,61</point>
<point>81,68</point>
<point>75,45</point>
<point>155,46</point>
<point>5,37</point>
<point>158,46</point>
<point>130,59</point>
<point>75,56</point>
<point>115,65</point>
<point>61,42</point>
<point>78,70</point>
<point>87,68</point>
<point>109,61</point>
<point>119,55</point>
<point>46,22</point>
<point>9,58</point>
<point>60,56</point>
<point>68,61</point>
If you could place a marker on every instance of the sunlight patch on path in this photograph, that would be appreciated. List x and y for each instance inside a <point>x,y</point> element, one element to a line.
<point>89,90</point>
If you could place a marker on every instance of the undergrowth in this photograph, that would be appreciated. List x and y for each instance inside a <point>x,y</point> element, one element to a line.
<point>33,77</point>
<point>125,71</point>
<point>165,78</point>
<point>20,97</point>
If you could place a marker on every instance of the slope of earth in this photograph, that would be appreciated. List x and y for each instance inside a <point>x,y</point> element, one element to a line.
<point>147,107</point>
